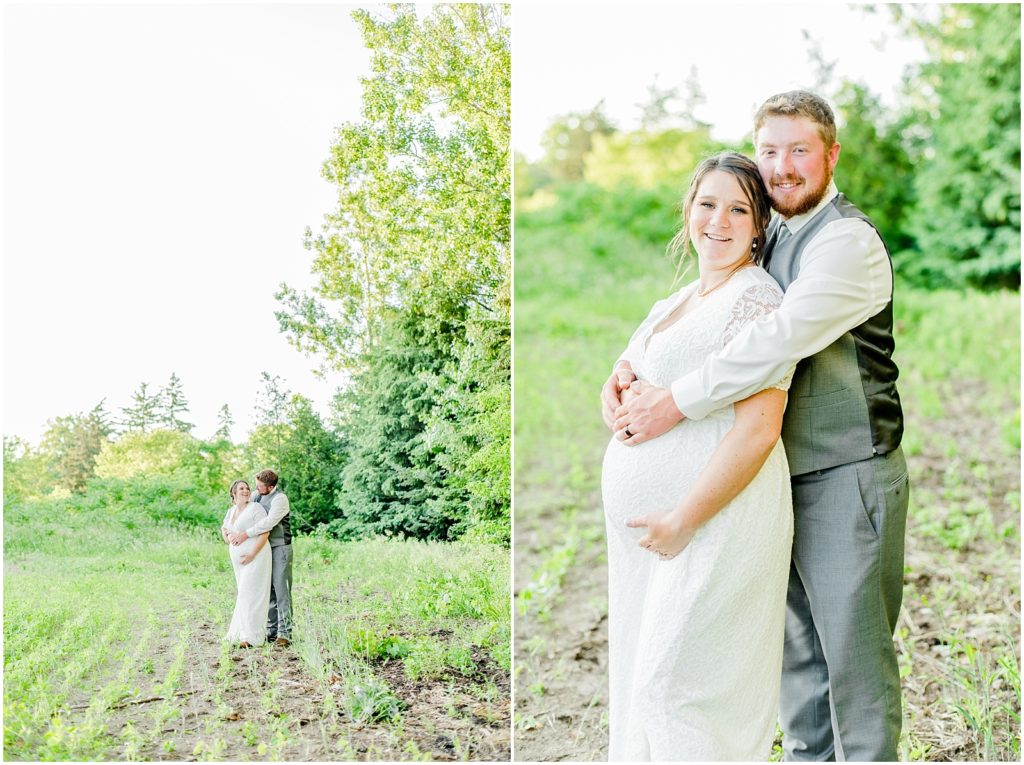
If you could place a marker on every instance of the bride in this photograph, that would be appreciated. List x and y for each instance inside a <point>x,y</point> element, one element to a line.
<point>700,521</point>
<point>252,563</point>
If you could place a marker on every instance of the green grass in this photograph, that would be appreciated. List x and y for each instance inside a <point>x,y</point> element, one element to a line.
<point>104,611</point>
<point>947,337</point>
<point>575,311</point>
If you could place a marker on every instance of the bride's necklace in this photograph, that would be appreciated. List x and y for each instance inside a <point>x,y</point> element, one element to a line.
<point>709,290</point>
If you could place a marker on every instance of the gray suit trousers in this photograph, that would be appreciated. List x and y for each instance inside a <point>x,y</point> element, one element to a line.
<point>840,680</point>
<point>279,616</point>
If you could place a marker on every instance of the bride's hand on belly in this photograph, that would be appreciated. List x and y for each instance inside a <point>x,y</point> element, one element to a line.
<point>666,535</point>
<point>635,390</point>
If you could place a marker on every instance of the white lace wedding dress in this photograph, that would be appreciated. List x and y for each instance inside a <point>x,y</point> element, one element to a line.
<point>695,643</point>
<point>249,620</point>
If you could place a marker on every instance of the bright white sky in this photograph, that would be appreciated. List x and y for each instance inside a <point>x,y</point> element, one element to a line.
<point>160,164</point>
<point>567,57</point>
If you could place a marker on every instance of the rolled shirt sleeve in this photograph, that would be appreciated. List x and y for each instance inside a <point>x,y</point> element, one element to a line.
<point>845,278</point>
<point>279,508</point>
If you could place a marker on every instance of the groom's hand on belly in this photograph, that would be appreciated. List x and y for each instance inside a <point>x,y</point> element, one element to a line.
<point>647,416</point>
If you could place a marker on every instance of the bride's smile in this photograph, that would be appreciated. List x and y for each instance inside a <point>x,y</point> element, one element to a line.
<point>721,227</point>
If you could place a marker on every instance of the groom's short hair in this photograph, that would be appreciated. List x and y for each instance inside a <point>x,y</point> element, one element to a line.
<point>267,478</point>
<point>800,103</point>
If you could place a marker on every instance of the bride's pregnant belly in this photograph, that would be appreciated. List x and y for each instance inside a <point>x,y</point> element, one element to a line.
<point>653,476</point>
<point>237,551</point>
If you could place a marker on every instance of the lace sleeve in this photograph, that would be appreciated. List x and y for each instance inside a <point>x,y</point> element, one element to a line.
<point>754,302</point>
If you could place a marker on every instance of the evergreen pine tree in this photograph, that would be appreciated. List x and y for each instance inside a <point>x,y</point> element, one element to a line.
<point>172,404</point>
<point>224,423</point>
<point>143,414</point>
<point>967,215</point>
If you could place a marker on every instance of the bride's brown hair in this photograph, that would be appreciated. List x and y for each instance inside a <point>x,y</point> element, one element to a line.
<point>744,169</point>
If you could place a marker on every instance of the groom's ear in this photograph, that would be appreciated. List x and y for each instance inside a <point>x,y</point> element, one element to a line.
<point>833,155</point>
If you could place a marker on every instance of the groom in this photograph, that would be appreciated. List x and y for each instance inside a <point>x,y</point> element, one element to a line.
<point>275,503</point>
<point>842,431</point>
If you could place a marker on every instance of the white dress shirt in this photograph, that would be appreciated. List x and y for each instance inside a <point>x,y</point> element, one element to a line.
<point>278,509</point>
<point>845,278</point>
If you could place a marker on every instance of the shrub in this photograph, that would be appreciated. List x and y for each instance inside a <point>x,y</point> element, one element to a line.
<point>162,498</point>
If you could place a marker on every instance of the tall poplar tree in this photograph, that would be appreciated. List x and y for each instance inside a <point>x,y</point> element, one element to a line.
<point>423,217</point>
<point>418,252</point>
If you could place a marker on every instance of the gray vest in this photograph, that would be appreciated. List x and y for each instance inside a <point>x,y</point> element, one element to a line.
<point>843,404</point>
<point>281,534</point>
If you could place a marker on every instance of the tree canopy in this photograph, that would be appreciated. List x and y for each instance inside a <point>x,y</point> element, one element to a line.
<point>414,274</point>
<point>423,181</point>
<point>966,220</point>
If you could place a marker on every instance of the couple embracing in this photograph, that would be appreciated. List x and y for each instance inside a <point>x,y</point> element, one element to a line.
<point>753,579</point>
<point>257,530</point>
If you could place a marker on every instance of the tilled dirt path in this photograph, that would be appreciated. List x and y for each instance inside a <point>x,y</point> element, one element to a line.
<point>265,705</point>
<point>566,721</point>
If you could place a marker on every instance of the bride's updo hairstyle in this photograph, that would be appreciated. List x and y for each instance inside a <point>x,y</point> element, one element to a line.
<point>744,169</point>
<point>235,486</point>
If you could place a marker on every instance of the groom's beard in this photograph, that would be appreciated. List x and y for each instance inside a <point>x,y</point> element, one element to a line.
<point>806,202</point>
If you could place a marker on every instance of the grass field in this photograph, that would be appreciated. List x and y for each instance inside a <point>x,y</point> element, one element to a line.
<point>580,291</point>
<point>113,651</point>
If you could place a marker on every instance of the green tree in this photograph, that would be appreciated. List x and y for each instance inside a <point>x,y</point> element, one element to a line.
<point>423,219</point>
<point>270,420</point>
<point>143,414</point>
<point>646,160</point>
<point>414,263</point>
<point>668,108</point>
<point>967,215</point>
<point>173,455</point>
<point>224,424</point>
<point>528,177</point>
<point>469,429</point>
<point>878,158</point>
<point>28,472</point>
<point>171,404</point>
<point>875,171</point>
<point>568,140</point>
<point>213,465</point>
<point>393,482</point>
<point>310,467</point>
<point>73,443</point>
<point>155,453</point>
